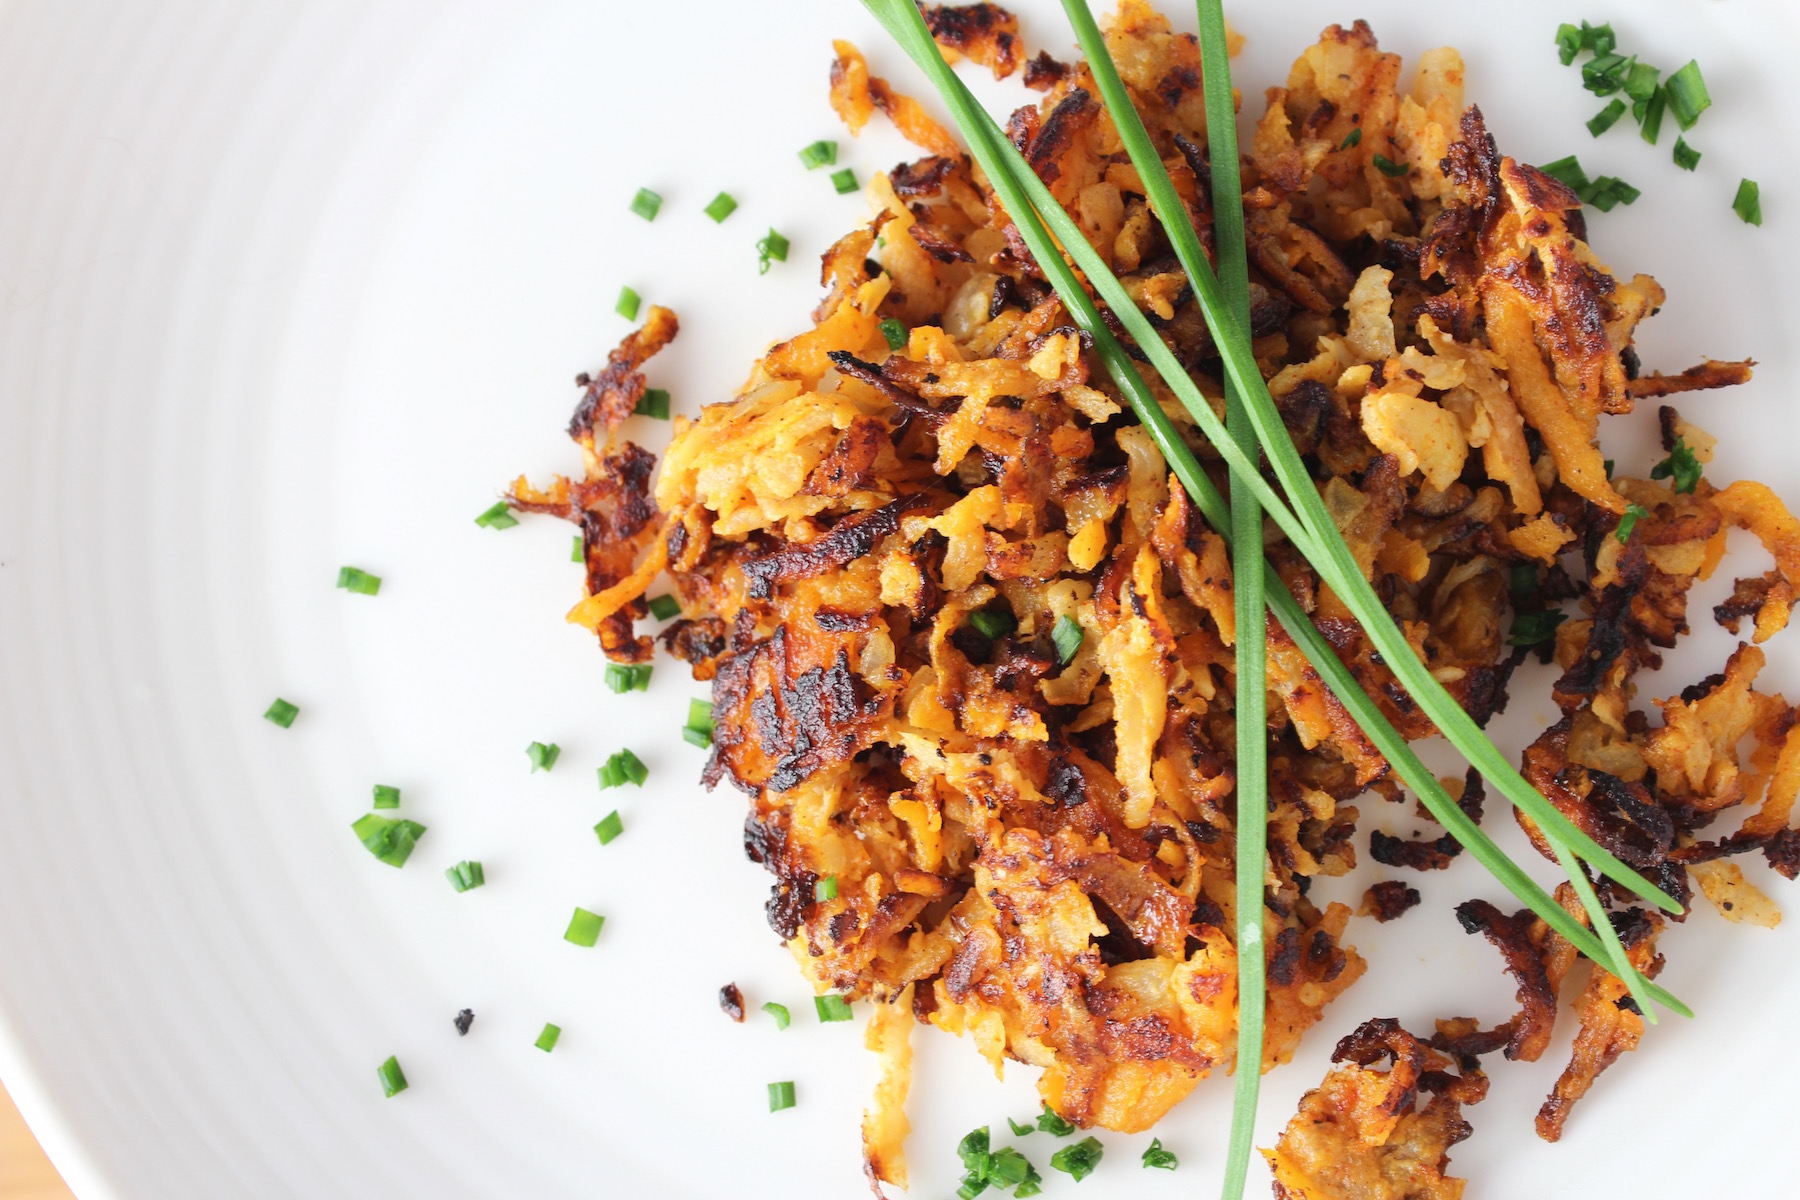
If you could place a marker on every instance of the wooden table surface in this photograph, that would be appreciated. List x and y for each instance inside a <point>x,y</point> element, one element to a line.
<point>25,1174</point>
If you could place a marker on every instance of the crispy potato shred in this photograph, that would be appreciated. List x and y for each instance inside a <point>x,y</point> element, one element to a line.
<point>874,549</point>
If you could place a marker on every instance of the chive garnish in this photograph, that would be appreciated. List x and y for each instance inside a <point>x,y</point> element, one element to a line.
<point>1159,1158</point>
<point>575,551</point>
<point>699,728</point>
<point>1567,170</point>
<point>664,606</point>
<point>542,757</point>
<point>832,1007</point>
<point>1353,138</point>
<point>622,768</point>
<point>1535,628</point>
<point>390,839</point>
<point>546,1041</point>
<point>584,928</point>
<point>628,677</point>
<point>781,1095</point>
<point>355,579</point>
<point>1605,74</point>
<point>779,1012</point>
<point>895,333</point>
<point>282,713</point>
<point>1052,1124</point>
<point>609,827</point>
<point>721,206</point>
<point>627,306</point>
<point>497,517</point>
<point>1633,514</point>
<point>393,1079</point>
<point>1682,465</point>
<point>465,875</point>
<point>771,247</point>
<point>1606,118</point>
<point>844,181</point>
<point>653,403</point>
<point>1686,157</point>
<point>386,797</point>
<point>1687,94</point>
<point>1568,42</point>
<point>992,624</point>
<point>1649,114</point>
<point>646,204</point>
<point>1388,166</point>
<point>1066,635</point>
<point>696,737</point>
<point>825,889</point>
<point>821,153</point>
<point>1079,1158</point>
<point>1021,1129</point>
<point>1747,204</point>
<point>1608,465</point>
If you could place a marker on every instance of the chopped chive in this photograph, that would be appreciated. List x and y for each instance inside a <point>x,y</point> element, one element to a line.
<point>1640,81</point>
<point>282,713</point>
<point>622,768</point>
<point>1388,166</point>
<point>1052,1124</point>
<point>628,677</point>
<point>386,797</point>
<point>1568,42</point>
<point>584,928</point>
<point>542,757</point>
<point>609,827</point>
<point>646,204</point>
<point>1032,1186</point>
<point>1606,73</point>
<point>465,875</point>
<point>546,1041</point>
<point>1535,628</point>
<point>1608,464</point>
<point>779,1012</point>
<point>696,737</point>
<point>992,624</point>
<point>1066,635</point>
<point>1747,204</point>
<point>781,1095</point>
<point>699,728</point>
<point>1021,1129</point>
<point>1633,514</point>
<point>575,552</point>
<point>653,403</point>
<point>1567,170</point>
<point>1598,38</point>
<point>844,181</point>
<point>497,517</point>
<point>825,889</point>
<point>627,306</point>
<point>1606,192</point>
<point>1523,577</point>
<point>393,1079</point>
<point>1606,118</point>
<point>895,334</point>
<point>1686,157</point>
<point>1008,1168</point>
<point>1353,138</point>
<point>821,153</point>
<point>722,206</point>
<point>1682,465</point>
<point>1687,93</point>
<point>355,579</point>
<point>1649,115</point>
<point>664,606</point>
<point>832,1007</point>
<point>389,839</point>
<point>771,247</point>
<point>1159,1158</point>
<point>1079,1158</point>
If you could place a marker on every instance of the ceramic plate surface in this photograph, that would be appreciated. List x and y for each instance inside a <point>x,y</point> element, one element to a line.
<point>290,286</point>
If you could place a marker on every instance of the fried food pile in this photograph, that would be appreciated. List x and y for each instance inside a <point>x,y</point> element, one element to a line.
<point>1032,842</point>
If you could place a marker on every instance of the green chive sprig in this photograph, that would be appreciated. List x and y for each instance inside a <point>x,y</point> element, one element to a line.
<point>622,768</point>
<point>282,713</point>
<point>779,1012</point>
<point>547,1039</point>
<point>393,1079</point>
<point>1747,204</point>
<point>844,181</point>
<point>832,1007</point>
<point>646,204</point>
<point>628,677</point>
<point>465,875</point>
<point>781,1095</point>
<point>542,756</point>
<point>822,153</point>
<point>627,306</point>
<point>390,839</point>
<point>355,579</point>
<point>584,928</point>
<point>609,827</point>
<point>770,248</point>
<point>385,797</point>
<point>497,517</point>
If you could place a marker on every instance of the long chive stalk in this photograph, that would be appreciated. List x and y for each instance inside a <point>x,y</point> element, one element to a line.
<point>1344,576</point>
<point>1008,174</point>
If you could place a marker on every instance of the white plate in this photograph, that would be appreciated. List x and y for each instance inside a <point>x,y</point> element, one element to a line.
<point>293,286</point>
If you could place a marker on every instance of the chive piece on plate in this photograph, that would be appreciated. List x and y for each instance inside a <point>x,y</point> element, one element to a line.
<point>1568,42</point>
<point>1066,635</point>
<point>696,737</point>
<point>497,517</point>
<point>1021,1130</point>
<point>542,757</point>
<point>1649,115</point>
<point>622,768</point>
<point>628,677</point>
<point>1052,1124</point>
<point>992,624</point>
<point>390,839</point>
<point>627,306</point>
<point>653,403</point>
<point>779,1012</point>
<point>664,606</point>
<point>895,333</point>
<point>1351,139</point>
<point>822,153</point>
<point>1079,1158</point>
<point>355,579</point>
<point>1747,204</point>
<point>584,927</point>
<point>282,713</point>
<point>546,1041</point>
<point>1682,465</point>
<point>465,875</point>
<point>781,1095</point>
<point>825,889</point>
<point>1535,628</point>
<point>646,204</point>
<point>1157,1157</point>
<point>1567,170</point>
<point>722,206</point>
<point>699,728</point>
<point>832,1007</point>
<point>844,181</point>
<point>609,827</point>
<point>1388,166</point>
<point>393,1079</point>
<point>771,247</point>
<point>1633,514</point>
<point>1687,94</point>
<point>1686,157</point>
<point>1606,118</point>
<point>575,552</point>
<point>386,797</point>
